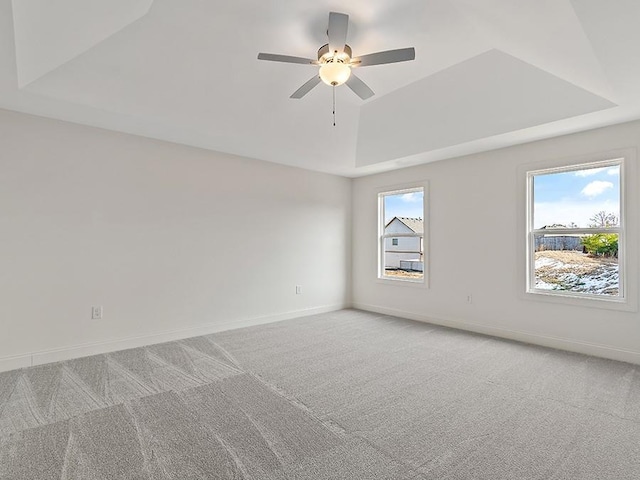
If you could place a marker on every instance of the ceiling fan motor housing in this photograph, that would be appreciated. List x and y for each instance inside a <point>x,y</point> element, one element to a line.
<point>325,55</point>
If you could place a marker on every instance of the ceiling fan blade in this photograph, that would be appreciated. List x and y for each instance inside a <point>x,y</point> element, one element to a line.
<point>306,88</point>
<point>359,87</point>
<point>272,57</point>
<point>389,56</point>
<point>337,31</point>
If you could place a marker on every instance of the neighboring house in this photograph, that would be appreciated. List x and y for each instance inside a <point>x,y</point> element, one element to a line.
<point>401,248</point>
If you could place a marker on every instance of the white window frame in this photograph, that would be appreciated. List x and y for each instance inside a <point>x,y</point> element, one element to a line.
<point>396,190</point>
<point>627,258</point>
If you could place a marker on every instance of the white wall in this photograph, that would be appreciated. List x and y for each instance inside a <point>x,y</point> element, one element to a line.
<point>172,241</point>
<point>176,241</point>
<point>472,201</point>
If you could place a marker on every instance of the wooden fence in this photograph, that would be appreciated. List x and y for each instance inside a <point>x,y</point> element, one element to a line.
<point>557,242</point>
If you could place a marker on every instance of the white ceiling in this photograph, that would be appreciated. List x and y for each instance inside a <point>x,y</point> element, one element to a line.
<point>487,74</point>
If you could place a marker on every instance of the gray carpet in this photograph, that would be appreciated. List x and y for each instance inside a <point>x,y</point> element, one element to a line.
<point>344,395</point>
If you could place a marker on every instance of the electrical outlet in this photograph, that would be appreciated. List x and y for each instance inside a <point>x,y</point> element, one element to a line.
<point>298,289</point>
<point>469,298</point>
<point>96,312</point>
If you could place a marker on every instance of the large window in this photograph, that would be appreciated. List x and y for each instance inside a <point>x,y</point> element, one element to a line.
<point>576,231</point>
<point>401,235</point>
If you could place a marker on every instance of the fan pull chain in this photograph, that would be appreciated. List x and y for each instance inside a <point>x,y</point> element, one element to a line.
<point>334,105</point>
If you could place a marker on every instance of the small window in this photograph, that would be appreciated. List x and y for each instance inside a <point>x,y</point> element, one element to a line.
<point>401,235</point>
<point>576,232</point>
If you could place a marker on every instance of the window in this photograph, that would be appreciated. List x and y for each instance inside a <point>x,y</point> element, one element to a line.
<point>401,234</point>
<point>576,231</point>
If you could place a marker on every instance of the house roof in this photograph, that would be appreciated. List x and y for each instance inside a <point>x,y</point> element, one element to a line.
<point>415,224</point>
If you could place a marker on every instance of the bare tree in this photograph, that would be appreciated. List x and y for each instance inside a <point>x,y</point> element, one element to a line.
<point>604,219</point>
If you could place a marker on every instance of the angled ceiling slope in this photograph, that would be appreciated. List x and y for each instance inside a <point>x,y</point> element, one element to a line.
<point>487,74</point>
<point>50,33</point>
<point>487,95</point>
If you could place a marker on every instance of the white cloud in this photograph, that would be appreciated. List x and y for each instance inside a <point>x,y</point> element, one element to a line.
<point>596,188</point>
<point>613,171</point>
<point>412,197</point>
<point>589,172</point>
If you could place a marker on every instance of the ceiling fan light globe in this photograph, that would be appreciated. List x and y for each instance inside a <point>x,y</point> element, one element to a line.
<point>335,73</point>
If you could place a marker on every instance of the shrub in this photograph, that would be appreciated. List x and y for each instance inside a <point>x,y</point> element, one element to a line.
<point>602,244</point>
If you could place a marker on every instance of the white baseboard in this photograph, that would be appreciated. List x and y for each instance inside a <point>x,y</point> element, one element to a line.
<point>596,350</point>
<point>84,350</point>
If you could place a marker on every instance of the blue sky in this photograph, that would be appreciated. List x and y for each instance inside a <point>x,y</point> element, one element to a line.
<point>403,205</point>
<point>562,198</point>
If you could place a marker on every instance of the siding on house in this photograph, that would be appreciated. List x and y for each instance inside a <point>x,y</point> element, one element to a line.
<point>407,248</point>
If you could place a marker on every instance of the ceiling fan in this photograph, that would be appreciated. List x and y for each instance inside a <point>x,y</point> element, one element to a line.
<point>335,60</point>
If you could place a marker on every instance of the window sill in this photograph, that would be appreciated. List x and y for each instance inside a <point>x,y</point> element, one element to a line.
<point>612,303</point>
<point>402,283</point>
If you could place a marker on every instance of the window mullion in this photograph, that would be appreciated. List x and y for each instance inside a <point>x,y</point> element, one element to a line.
<point>576,231</point>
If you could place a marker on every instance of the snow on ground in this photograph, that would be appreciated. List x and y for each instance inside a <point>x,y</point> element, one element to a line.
<point>576,272</point>
<point>541,284</point>
<point>547,262</point>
